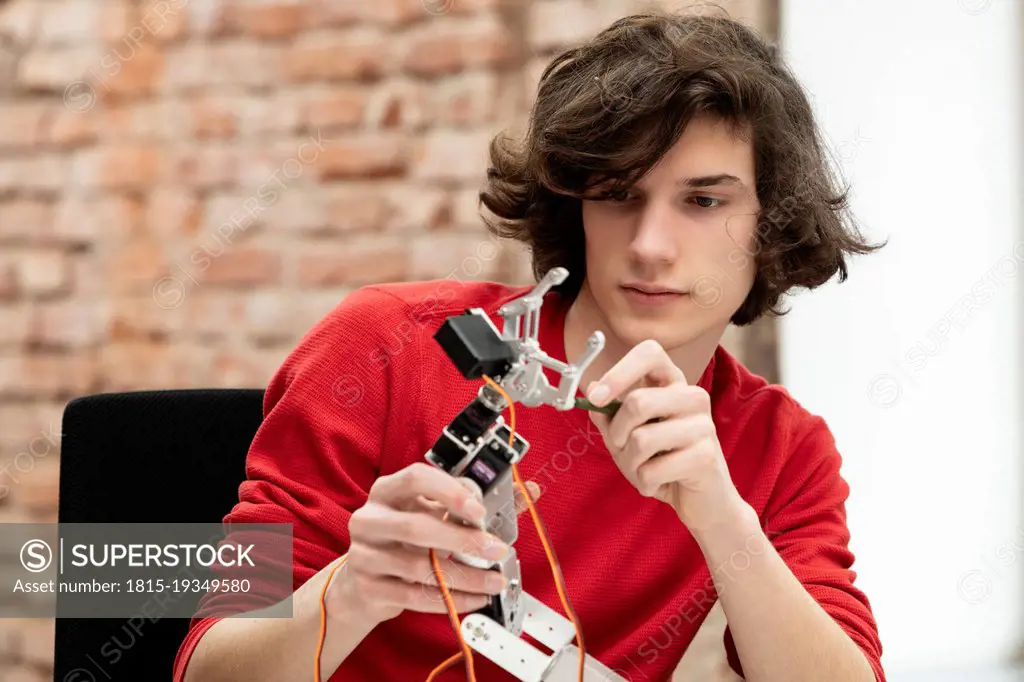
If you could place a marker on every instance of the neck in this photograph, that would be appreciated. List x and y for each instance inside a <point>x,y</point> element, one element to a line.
<point>584,317</point>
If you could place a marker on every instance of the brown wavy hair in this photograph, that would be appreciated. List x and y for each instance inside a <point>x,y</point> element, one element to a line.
<point>607,110</point>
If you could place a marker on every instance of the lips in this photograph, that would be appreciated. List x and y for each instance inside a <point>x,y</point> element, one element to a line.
<point>652,289</point>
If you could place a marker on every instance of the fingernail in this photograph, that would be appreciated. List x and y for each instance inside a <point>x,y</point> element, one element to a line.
<point>496,550</point>
<point>474,510</point>
<point>598,394</point>
<point>494,583</point>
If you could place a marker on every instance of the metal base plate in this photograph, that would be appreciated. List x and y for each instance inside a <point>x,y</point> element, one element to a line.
<point>528,663</point>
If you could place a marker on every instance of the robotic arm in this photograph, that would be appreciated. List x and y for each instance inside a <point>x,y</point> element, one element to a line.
<point>475,447</point>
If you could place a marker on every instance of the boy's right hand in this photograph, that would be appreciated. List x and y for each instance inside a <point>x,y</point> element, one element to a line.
<point>388,569</point>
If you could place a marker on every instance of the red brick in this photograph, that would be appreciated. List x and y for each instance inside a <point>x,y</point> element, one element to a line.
<point>139,72</point>
<point>402,105</point>
<point>136,266</point>
<point>452,156</point>
<point>88,277</point>
<point>466,210</point>
<point>15,324</point>
<point>119,122</point>
<point>362,157</point>
<point>24,219</point>
<point>22,124</point>
<point>164,20</point>
<point>117,18</point>
<point>390,13</point>
<point>548,28</point>
<point>37,494</point>
<point>457,7</point>
<point>270,317</point>
<point>47,375</point>
<point>353,55</point>
<point>42,272</point>
<point>127,166</point>
<point>146,316</point>
<point>296,209</point>
<point>398,12</point>
<point>214,116</point>
<point>260,115</point>
<point>69,21</point>
<point>312,305</point>
<point>230,218</point>
<point>453,46</point>
<point>70,323</point>
<point>248,266</point>
<point>142,365</point>
<point>40,172</point>
<point>173,211</point>
<point>244,62</point>
<point>356,262</point>
<point>81,220</point>
<point>209,19</point>
<point>30,426</point>
<point>8,282</point>
<point>187,67</point>
<point>418,209</point>
<point>206,167</point>
<point>335,109</point>
<point>268,21</point>
<point>321,13</point>
<point>357,208</point>
<point>463,256</point>
<point>38,640</point>
<point>19,20</point>
<point>229,63</point>
<point>214,314</point>
<point>471,99</point>
<point>68,128</point>
<point>55,69</point>
<point>246,367</point>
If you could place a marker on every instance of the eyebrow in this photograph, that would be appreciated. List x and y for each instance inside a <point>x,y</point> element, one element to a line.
<point>711,180</point>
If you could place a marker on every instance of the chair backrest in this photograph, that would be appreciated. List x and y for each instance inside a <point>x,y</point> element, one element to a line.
<point>146,457</point>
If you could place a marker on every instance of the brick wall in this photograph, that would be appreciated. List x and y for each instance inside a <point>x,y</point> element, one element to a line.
<point>186,186</point>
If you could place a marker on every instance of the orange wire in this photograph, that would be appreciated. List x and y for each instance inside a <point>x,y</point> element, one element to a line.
<point>453,613</point>
<point>444,666</point>
<point>323,618</point>
<point>542,534</point>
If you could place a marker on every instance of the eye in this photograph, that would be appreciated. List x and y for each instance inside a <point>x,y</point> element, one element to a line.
<point>618,195</point>
<point>706,202</point>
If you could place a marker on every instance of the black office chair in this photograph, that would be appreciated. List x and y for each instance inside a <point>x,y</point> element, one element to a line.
<point>146,457</point>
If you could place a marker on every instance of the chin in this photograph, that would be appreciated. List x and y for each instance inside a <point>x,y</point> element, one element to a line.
<point>669,333</point>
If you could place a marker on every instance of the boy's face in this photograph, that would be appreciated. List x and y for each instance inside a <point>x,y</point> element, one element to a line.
<point>687,229</point>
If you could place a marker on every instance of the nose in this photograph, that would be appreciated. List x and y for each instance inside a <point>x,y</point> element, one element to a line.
<point>653,239</point>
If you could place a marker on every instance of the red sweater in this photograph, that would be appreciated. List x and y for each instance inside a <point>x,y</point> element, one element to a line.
<point>368,391</point>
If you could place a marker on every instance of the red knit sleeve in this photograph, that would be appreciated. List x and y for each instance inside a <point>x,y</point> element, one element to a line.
<point>319,448</point>
<point>806,521</point>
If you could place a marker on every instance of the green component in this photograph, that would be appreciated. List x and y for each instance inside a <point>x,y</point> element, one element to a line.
<point>611,408</point>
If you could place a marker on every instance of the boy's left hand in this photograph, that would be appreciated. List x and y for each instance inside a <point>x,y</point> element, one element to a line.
<point>663,438</point>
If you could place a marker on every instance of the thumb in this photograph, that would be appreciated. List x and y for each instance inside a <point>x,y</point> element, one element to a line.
<point>534,491</point>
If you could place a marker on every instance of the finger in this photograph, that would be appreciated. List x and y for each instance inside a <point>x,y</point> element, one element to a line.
<point>420,597</point>
<point>602,422</point>
<point>533,489</point>
<point>677,465</point>
<point>414,565</point>
<point>646,360</point>
<point>420,479</point>
<point>644,405</point>
<point>377,524</point>
<point>427,505</point>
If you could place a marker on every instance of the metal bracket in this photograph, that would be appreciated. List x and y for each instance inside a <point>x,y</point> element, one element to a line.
<point>528,663</point>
